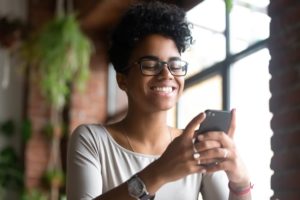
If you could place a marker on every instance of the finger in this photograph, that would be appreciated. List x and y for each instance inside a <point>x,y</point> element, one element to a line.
<point>213,154</point>
<point>215,166</point>
<point>231,130</point>
<point>207,144</point>
<point>217,136</point>
<point>196,157</point>
<point>190,128</point>
<point>197,168</point>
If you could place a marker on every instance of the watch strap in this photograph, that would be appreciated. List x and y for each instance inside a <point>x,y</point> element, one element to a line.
<point>146,197</point>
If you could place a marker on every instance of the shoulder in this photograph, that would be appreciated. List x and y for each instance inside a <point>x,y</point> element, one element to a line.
<point>85,130</point>
<point>88,134</point>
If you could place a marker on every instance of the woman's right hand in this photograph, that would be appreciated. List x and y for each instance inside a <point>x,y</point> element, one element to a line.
<point>178,160</point>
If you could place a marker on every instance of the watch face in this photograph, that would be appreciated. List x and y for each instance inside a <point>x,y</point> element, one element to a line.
<point>135,187</point>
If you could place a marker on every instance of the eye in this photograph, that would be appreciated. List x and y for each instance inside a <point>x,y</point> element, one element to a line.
<point>149,64</point>
<point>177,65</point>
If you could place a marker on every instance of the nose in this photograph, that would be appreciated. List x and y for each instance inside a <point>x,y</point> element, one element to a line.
<point>165,72</point>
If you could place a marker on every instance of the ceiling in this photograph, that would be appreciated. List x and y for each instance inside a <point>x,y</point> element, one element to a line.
<point>101,15</point>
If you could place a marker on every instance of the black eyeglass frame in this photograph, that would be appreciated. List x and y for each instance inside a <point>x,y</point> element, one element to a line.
<point>161,65</point>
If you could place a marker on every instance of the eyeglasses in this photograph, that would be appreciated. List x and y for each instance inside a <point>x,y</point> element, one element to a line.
<point>153,66</point>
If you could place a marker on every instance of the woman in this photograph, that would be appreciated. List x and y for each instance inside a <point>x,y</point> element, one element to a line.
<point>141,157</point>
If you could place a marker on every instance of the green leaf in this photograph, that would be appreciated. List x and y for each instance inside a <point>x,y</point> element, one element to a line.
<point>229,5</point>
<point>26,130</point>
<point>34,195</point>
<point>11,172</point>
<point>8,128</point>
<point>61,54</point>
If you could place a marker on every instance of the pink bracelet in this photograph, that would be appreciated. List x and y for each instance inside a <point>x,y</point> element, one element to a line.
<point>242,192</point>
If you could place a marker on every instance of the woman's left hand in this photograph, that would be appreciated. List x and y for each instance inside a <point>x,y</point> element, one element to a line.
<point>226,156</point>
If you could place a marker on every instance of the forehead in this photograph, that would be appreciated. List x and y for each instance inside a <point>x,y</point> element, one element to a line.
<point>155,45</point>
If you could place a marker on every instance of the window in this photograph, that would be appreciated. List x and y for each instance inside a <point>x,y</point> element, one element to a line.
<point>229,69</point>
<point>250,95</point>
<point>209,45</point>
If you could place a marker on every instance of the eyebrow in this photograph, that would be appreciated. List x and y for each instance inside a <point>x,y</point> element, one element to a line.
<point>156,58</point>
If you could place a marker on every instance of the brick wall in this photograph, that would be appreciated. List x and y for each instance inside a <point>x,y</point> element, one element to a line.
<point>90,106</point>
<point>284,66</point>
<point>36,150</point>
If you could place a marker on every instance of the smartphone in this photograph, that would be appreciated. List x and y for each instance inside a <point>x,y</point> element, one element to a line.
<point>216,120</point>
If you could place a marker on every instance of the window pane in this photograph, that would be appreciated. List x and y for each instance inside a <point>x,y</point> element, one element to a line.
<point>205,95</point>
<point>209,14</point>
<point>249,23</point>
<point>250,96</point>
<point>208,49</point>
<point>257,3</point>
<point>208,27</point>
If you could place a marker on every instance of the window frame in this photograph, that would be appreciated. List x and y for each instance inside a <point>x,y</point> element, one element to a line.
<point>223,67</point>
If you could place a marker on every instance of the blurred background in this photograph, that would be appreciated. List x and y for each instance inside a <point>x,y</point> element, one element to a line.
<point>55,75</point>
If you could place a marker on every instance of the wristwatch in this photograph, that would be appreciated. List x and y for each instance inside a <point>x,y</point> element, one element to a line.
<point>137,189</point>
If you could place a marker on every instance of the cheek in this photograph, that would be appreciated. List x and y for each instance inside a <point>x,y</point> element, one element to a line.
<point>180,92</point>
<point>138,84</point>
<point>181,85</point>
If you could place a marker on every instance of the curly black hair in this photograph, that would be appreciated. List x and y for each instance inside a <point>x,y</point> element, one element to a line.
<point>145,18</point>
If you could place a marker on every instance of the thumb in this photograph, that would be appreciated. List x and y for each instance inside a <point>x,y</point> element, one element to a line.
<point>232,127</point>
<point>193,124</point>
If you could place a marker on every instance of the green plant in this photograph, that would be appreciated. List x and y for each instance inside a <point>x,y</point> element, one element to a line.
<point>7,128</point>
<point>54,177</point>
<point>229,5</point>
<point>60,56</point>
<point>33,195</point>
<point>11,168</point>
<point>26,129</point>
<point>11,172</point>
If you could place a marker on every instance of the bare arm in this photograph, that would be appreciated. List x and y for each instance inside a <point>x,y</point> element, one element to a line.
<point>149,176</point>
<point>175,163</point>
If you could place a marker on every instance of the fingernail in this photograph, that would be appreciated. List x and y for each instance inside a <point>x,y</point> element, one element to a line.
<point>200,137</point>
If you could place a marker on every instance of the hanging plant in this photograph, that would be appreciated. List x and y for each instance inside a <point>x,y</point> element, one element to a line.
<point>60,55</point>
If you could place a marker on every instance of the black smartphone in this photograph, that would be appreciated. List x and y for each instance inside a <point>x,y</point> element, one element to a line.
<point>216,120</point>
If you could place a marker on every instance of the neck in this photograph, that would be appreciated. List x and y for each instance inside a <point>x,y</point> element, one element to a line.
<point>146,133</point>
<point>145,125</point>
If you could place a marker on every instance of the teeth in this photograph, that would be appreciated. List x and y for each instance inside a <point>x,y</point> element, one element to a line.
<point>163,89</point>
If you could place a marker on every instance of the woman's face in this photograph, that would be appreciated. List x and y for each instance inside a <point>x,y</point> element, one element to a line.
<point>152,93</point>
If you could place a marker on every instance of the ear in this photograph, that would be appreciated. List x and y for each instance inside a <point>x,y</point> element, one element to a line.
<point>122,81</point>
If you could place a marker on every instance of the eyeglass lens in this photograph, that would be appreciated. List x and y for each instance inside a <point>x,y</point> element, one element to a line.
<point>154,67</point>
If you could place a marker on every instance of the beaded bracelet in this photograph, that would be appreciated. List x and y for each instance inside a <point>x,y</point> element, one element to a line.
<point>242,192</point>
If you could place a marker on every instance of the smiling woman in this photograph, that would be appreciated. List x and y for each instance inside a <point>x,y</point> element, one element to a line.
<point>141,157</point>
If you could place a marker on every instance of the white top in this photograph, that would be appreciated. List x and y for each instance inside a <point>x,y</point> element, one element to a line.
<point>97,163</point>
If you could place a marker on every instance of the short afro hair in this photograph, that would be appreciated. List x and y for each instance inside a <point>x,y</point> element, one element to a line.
<point>143,19</point>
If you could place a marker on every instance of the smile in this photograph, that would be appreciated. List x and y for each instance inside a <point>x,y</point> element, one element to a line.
<point>165,89</point>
